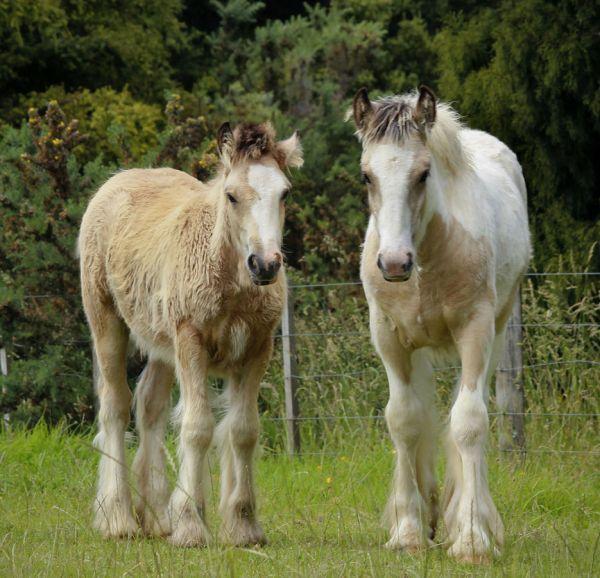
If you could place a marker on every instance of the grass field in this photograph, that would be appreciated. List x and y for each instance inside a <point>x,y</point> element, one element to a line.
<point>320,512</point>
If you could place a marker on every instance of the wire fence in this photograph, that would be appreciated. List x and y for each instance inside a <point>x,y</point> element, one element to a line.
<point>510,370</point>
<point>293,420</point>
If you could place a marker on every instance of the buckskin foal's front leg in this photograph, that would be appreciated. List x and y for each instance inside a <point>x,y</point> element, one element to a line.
<point>411,512</point>
<point>470,515</point>
<point>197,426</point>
<point>238,436</point>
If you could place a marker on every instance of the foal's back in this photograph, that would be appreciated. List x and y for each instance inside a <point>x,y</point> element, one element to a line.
<point>135,199</point>
<point>130,244</point>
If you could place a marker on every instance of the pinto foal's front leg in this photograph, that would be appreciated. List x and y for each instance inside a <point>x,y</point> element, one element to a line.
<point>238,436</point>
<point>475,530</point>
<point>197,425</point>
<point>411,512</point>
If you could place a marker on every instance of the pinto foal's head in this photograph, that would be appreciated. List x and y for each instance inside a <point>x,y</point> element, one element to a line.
<point>255,187</point>
<point>395,166</point>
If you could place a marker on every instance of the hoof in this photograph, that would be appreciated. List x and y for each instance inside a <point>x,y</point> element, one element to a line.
<point>154,523</point>
<point>190,534</point>
<point>113,519</point>
<point>243,533</point>
<point>475,560</point>
<point>474,549</point>
<point>409,535</point>
<point>408,545</point>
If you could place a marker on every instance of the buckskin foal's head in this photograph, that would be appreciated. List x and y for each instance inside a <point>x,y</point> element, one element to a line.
<point>398,134</point>
<point>254,189</point>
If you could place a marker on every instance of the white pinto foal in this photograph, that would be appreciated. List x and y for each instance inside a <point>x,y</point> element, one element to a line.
<point>446,245</point>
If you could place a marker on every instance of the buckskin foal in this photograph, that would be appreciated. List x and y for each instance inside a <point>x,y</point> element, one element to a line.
<point>446,245</point>
<point>192,272</point>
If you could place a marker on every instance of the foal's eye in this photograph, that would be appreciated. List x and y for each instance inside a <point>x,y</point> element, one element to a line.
<point>285,194</point>
<point>231,198</point>
<point>424,176</point>
<point>364,177</point>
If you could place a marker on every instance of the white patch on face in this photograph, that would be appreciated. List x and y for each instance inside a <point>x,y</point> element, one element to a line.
<point>391,165</point>
<point>269,184</point>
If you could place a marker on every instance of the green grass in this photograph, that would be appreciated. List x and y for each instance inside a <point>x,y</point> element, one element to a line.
<point>321,515</point>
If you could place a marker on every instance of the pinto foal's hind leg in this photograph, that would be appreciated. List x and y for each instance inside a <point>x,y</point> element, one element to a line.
<point>474,527</point>
<point>152,396</point>
<point>113,511</point>
<point>238,436</point>
<point>422,381</point>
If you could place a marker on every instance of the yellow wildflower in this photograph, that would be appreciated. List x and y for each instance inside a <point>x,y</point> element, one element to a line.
<point>328,480</point>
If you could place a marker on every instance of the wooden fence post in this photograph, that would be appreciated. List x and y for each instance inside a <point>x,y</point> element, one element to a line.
<point>510,396</point>
<point>289,374</point>
<point>95,370</point>
<point>4,371</point>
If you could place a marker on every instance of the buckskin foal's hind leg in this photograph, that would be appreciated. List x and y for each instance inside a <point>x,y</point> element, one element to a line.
<point>187,507</point>
<point>113,511</point>
<point>408,415</point>
<point>238,436</point>
<point>152,397</point>
<point>473,524</point>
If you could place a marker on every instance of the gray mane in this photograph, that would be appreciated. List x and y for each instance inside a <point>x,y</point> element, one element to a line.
<point>392,118</point>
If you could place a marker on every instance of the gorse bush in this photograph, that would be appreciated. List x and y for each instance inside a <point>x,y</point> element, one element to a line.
<point>132,85</point>
<point>45,192</point>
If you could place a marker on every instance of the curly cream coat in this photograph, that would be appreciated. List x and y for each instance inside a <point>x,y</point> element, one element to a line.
<point>164,259</point>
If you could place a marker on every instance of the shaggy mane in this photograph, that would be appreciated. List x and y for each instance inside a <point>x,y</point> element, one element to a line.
<point>393,119</point>
<point>252,141</point>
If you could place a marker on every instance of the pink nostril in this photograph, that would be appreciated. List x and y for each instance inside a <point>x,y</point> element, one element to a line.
<point>395,264</point>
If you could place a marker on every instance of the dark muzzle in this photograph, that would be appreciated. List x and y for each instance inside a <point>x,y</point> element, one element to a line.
<point>263,272</point>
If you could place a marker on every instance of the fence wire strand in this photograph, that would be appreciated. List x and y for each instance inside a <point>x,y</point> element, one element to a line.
<point>377,371</point>
<point>448,368</point>
<point>354,283</point>
<point>382,417</point>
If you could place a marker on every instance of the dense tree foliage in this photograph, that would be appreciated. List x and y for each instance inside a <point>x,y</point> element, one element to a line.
<point>526,70</point>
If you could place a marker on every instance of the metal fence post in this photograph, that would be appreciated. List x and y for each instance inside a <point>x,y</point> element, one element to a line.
<point>290,375</point>
<point>510,396</point>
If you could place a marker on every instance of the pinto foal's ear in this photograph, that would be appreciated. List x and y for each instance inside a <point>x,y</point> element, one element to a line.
<point>362,108</point>
<point>290,150</point>
<point>424,114</point>
<point>225,143</point>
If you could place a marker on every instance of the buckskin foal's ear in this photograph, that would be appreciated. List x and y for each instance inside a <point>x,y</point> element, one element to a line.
<point>424,114</point>
<point>290,151</point>
<point>225,143</point>
<point>362,108</point>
